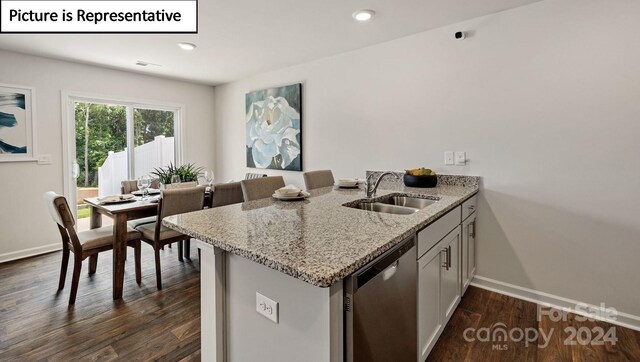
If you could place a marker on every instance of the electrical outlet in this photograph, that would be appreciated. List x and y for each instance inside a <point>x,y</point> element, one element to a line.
<point>461,158</point>
<point>267,307</point>
<point>448,158</point>
<point>44,159</point>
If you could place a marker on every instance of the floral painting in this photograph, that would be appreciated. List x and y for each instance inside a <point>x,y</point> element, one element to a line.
<point>273,138</point>
<point>16,138</point>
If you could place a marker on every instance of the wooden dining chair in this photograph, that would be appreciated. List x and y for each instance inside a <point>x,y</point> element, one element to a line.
<point>83,244</point>
<point>260,188</point>
<point>251,175</point>
<point>173,202</point>
<point>226,194</point>
<point>318,179</point>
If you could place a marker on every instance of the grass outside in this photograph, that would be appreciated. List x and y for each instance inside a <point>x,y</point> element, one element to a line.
<point>83,211</point>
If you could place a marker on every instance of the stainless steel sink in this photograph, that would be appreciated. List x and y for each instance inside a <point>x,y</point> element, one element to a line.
<point>386,208</point>
<point>408,201</point>
<point>399,204</point>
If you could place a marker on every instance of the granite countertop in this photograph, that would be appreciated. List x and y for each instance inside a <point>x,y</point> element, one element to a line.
<point>318,240</point>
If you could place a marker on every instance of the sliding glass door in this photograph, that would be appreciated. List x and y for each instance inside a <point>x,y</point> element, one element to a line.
<point>116,142</point>
<point>154,140</point>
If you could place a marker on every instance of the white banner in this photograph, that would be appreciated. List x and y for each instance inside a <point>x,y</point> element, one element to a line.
<point>112,16</point>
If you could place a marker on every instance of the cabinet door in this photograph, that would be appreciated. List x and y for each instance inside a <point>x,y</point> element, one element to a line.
<point>451,277</point>
<point>468,251</point>
<point>430,270</point>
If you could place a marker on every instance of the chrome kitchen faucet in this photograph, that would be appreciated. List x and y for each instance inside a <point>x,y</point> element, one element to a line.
<point>369,189</point>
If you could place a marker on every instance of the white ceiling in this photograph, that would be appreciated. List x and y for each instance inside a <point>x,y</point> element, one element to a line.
<point>240,38</point>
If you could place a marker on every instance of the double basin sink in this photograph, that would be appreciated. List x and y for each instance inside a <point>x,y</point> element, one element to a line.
<point>399,204</point>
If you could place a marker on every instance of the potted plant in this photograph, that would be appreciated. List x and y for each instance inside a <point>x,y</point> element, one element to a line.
<point>188,174</point>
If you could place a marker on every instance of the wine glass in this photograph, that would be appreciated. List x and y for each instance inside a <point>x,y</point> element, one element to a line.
<point>140,185</point>
<point>143,184</point>
<point>175,179</point>
<point>209,177</point>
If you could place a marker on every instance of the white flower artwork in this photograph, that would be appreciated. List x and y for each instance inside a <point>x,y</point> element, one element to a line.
<point>273,138</point>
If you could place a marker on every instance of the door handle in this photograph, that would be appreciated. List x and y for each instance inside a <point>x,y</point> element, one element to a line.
<point>75,169</point>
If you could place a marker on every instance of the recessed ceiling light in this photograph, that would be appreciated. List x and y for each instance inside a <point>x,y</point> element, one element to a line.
<point>187,46</point>
<point>363,15</point>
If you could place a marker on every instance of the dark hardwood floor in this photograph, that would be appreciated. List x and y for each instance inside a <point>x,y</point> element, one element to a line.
<point>481,308</point>
<point>37,325</point>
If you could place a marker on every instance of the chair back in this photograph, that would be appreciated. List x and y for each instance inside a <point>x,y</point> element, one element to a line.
<point>251,176</point>
<point>128,186</point>
<point>61,214</point>
<point>317,179</point>
<point>261,188</point>
<point>179,201</point>
<point>181,185</point>
<point>227,194</point>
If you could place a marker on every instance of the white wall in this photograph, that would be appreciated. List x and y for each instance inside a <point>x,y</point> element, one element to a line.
<point>544,100</point>
<point>25,225</point>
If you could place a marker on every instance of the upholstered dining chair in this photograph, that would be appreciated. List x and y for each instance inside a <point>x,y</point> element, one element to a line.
<point>227,194</point>
<point>260,188</point>
<point>173,202</point>
<point>83,244</point>
<point>129,186</point>
<point>251,176</point>
<point>318,179</point>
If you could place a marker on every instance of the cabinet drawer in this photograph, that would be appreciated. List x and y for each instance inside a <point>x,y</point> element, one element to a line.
<point>469,206</point>
<point>433,233</point>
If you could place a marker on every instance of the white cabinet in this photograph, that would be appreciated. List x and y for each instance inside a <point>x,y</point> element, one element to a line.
<point>451,277</point>
<point>446,266</point>
<point>439,280</point>
<point>468,251</point>
<point>469,206</point>
<point>433,234</point>
<point>430,275</point>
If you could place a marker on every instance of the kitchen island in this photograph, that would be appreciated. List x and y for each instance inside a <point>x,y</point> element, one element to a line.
<point>296,254</point>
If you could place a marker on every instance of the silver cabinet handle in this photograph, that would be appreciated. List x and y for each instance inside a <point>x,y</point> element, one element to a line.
<point>472,207</point>
<point>473,229</point>
<point>446,259</point>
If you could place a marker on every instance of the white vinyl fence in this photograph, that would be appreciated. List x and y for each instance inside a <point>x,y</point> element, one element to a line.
<point>157,153</point>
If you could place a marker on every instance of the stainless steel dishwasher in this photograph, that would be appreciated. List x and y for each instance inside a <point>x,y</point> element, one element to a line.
<point>380,308</point>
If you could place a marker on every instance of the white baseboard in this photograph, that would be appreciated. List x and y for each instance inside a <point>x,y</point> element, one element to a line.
<point>561,303</point>
<point>21,254</point>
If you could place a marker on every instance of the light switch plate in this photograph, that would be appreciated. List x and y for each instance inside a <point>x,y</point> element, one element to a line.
<point>461,158</point>
<point>448,158</point>
<point>267,307</point>
<point>44,159</point>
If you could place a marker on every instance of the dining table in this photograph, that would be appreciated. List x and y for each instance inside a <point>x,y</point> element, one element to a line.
<point>121,212</point>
